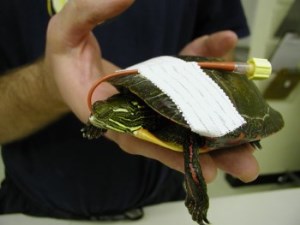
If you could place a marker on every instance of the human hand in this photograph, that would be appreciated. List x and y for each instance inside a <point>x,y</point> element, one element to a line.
<point>237,161</point>
<point>220,44</point>
<point>73,55</point>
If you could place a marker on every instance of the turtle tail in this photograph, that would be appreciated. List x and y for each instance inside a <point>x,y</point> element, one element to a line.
<point>196,199</point>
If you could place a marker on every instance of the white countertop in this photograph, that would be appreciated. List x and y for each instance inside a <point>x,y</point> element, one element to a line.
<point>280,207</point>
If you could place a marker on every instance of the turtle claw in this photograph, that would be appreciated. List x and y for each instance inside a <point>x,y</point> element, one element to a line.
<point>198,214</point>
<point>92,132</point>
<point>256,145</point>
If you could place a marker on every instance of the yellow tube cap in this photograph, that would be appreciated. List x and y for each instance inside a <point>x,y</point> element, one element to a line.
<point>260,69</point>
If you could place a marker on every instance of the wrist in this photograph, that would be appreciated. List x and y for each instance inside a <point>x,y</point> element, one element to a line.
<point>50,87</point>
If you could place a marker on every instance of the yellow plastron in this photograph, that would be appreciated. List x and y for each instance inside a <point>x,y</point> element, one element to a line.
<point>147,136</point>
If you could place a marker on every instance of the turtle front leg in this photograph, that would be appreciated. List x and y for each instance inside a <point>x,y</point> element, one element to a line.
<point>196,199</point>
<point>92,132</point>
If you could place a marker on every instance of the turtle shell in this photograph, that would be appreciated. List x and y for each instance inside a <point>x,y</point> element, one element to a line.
<point>261,119</point>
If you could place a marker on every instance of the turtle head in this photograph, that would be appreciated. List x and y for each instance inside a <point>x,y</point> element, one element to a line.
<point>122,113</point>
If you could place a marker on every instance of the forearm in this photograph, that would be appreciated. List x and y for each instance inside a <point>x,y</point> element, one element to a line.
<point>29,100</point>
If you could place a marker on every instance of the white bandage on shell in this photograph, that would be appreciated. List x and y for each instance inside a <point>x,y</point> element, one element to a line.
<point>204,105</point>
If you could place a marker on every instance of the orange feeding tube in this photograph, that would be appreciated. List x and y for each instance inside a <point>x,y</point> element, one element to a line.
<point>105,78</point>
<point>227,66</point>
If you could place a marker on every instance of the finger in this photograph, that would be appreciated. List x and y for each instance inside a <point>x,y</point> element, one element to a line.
<point>168,157</point>
<point>238,161</point>
<point>208,167</point>
<point>79,17</point>
<point>136,146</point>
<point>215,45</point>
<point>220,43</point>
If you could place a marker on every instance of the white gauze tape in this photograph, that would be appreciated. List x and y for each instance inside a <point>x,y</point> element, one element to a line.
<point>204,105</point>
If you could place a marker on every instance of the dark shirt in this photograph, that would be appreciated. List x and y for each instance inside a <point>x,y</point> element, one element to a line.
<point>57,170</point>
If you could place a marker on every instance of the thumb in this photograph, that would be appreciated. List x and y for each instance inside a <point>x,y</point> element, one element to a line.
<point>215,45</point>
<point>78,17</point>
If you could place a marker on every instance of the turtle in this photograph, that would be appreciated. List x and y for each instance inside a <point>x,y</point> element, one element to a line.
<point>140,108</point>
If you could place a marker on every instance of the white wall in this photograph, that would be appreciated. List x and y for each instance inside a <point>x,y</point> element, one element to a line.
<point>280,151</point>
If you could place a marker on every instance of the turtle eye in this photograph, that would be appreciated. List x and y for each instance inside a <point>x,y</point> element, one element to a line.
<point>134,103</point>
<point>137,105</point>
